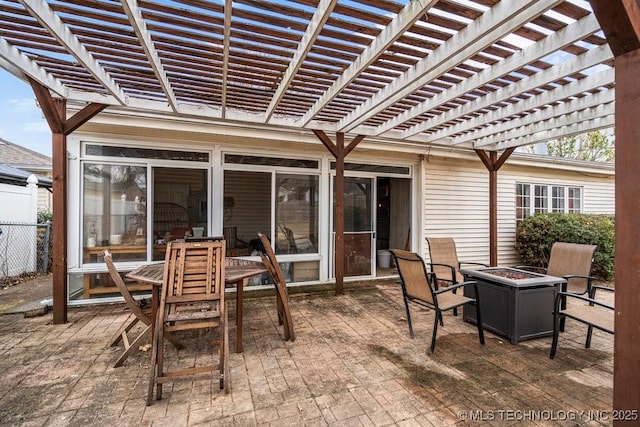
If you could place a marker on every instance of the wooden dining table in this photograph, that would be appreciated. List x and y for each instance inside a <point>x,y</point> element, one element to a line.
<point>236,273</point>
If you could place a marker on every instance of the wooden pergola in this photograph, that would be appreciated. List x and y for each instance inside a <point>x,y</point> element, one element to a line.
<point>483,75</point>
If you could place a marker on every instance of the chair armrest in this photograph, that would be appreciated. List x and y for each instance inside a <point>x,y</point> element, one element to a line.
<point>589,279</point>
<point>594,288</point>
<point>451,267</point>
<point>454,287</point>
<point>472,263</point>
<point>591,301</point>
<point>531,267</point>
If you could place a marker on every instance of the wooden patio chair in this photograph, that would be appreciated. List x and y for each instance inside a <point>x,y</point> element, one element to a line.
<point>421,287</point>
<point>192,297</point>
<point>140,312</point>
<point>587,310</point>
<point>282,295</point>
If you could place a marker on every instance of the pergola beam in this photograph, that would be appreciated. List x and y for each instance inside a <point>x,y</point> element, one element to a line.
<point>560,94</point>
<point>588,59</point>
<point>553,42</point>
<point>485,135</point>
<point>324,9</point>
<point>134,13</point>
<point>493,25</point>
<point>55,113</point>
<point>493,163</point>
<point>555,133</point>
<point>28,68</point>
<point>403,20</point>
<point>577,118</point>
<point>339,152</point>
<point>40,10</point>
<point>226,43</point>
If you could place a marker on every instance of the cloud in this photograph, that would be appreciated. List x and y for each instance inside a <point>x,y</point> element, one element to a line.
<point>23,104</point>
<point>36,127</point>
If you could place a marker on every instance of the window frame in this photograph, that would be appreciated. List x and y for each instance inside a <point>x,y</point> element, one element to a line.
<point>541,199</point>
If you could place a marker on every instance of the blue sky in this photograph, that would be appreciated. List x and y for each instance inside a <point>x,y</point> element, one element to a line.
<point>21,120</point>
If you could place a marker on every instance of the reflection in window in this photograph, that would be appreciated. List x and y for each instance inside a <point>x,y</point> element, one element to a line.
<point>114,211</point>
<point>575,199</point>
<point>246,210</point>
<point>523,201</point>
<point>557,199</point>
<point>540,199</point>
<point>296,214</point>
<point>179,205</point>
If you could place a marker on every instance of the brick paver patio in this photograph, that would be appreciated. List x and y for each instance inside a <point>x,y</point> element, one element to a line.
<point>352,364</point>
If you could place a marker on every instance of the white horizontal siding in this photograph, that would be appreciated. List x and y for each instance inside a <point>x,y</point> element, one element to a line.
<point>456,203</point>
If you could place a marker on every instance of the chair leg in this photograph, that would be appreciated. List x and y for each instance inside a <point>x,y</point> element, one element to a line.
<point>128,325</point>
<point>279,307</point>
<point>563,305</point>
<point>154,365</point>
<point>225,369</point>
<point>556,332</point>
<point>157,358</point>
<point>406,306</point>
<point>129,347</point>
<point>479,323</point>
<point>589,333</point>
<point>435,331</point>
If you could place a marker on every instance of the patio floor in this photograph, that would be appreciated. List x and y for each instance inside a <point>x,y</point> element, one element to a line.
<point>352,363</point>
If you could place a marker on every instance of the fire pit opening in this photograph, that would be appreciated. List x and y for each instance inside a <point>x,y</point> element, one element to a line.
<point>508,273</point>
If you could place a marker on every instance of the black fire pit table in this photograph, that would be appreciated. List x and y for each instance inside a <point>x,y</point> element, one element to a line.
<point>516,304</point>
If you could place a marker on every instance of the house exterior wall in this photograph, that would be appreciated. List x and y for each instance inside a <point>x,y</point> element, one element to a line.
<point>456,200</point>
<point>449,187</point>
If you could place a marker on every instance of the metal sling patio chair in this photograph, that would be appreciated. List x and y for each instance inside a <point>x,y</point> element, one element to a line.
<point>140,312</point>
<point>420,287</point>
<point>571,261</point>
<point>282,295</point>
<point>444,262</point>
<point>192,297</point>
<point>587,310</point>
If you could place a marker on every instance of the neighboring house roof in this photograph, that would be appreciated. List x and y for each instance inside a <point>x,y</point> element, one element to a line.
<point>15,176</point>
<point>22,157</point>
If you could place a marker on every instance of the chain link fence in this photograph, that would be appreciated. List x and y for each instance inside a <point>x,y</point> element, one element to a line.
<point>25,250</point>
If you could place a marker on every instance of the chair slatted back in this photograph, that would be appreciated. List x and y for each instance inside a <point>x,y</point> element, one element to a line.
<point>415,281</point>
<point>571,258</point>
<point>194,271</point>
<point>442,250</point>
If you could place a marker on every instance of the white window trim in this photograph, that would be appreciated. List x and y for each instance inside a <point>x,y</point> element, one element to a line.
<point>549,198</point>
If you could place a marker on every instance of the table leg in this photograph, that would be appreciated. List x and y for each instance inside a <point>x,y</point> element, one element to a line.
<point>155,302</point>
<point>239,311</point>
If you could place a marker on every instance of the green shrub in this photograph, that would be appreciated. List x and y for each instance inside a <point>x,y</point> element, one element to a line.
<point>45,216</point>
<point>536,234</point>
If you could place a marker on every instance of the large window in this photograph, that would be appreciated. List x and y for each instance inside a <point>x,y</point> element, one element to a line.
<point>282,203</point>
<point>114,198</point>
<point>537,198</point>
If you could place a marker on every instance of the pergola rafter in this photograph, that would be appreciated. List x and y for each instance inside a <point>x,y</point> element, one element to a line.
<point>140,27</point>
<point>52,22</point>
<point>554,42</point>
<point>496,23</point>
<point>427,72</point>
